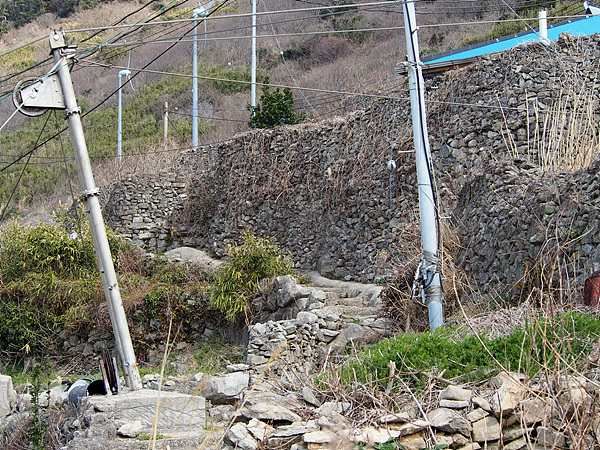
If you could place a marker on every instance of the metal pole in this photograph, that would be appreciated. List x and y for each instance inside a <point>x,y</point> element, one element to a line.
<point>122,73</point>
<point>166,123</point>
<point>92,203</point>
<point>253,69</point>
<point>543,18</point>
<point>197,13</point>
<point>429,267</point>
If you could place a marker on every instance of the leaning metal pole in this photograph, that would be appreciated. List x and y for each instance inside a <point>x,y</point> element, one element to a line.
<point>92,203</point>
<point>429,269</point>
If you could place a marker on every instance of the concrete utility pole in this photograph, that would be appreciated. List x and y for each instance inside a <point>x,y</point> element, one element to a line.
<point>92,203</point>
<point>197,13</point>
<point>253,68</point>
<point>123,73</point>
<point>428,274</point>
<point>166,123</point>
<point>203,12</point>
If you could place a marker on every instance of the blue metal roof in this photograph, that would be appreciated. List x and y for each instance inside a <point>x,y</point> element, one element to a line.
<point>580,27</point>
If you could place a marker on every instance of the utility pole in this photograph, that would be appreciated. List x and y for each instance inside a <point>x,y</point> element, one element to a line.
<point>122,73</point>
<point>428,273</point>
<point>61,53</point>
<point>166,123</point>
<point>203,12</point>
<point>253,68</point>
<point>197,13</point>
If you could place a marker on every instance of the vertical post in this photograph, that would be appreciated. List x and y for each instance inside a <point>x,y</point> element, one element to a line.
<point>253,68</point>
<point>92,203</point>
<point>122,73</point>
<point>166,123</point>
<point>119,125</point>
<point>543,18</point>
<point>197,13</point>
<point>431,284</point>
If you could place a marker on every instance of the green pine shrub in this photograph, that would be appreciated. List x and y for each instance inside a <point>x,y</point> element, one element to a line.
<point>275,109</point>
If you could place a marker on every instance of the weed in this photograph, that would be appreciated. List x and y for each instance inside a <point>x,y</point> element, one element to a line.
<point>236,283</point>
<point>215,353</point>
<point>148,436</point>
<point>528,350</point>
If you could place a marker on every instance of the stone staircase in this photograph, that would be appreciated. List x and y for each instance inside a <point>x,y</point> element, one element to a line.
<point>326,317</point>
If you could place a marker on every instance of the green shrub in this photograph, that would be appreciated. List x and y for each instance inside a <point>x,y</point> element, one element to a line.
<point>236,282</point>
<point>355,22</point>
<point>275,109</point>
<point>568,339</point>
<point>46,249</point>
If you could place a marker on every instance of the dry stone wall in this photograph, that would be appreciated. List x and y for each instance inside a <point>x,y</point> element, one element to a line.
<point>323,190</point>
<point>141,208</point>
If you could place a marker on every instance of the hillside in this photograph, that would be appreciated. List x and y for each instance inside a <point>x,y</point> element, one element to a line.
<point>335,55</point>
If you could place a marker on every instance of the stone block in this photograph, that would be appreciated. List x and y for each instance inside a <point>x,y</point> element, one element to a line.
<point>486,429</point>
<point>456,393</point>
<point>8,396</point>
<point>176,412</point>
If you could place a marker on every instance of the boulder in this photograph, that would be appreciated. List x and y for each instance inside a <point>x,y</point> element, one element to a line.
<point>260,430</point>
<point>225,389</point>
<point>449,421</point>
<point>509,394</point>
<point>188,254</point>
<point>486,429</point>
<point>8,396</point>
<point>177,412</point>
<point>551,438</point>
<point>351,332</point>
<point>309,397</point>
<point>270,412</point>
<point>456,393</point>
<point>241,438</point>
<point>131,429</point>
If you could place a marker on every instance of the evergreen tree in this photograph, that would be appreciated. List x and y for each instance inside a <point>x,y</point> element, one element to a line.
<point>275,108</point>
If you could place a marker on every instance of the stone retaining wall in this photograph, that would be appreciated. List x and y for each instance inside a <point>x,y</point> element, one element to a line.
<point>324,193</point>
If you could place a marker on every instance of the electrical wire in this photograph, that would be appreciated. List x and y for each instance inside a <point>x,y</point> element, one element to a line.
<point>287,66</point>
<point>22,173</point>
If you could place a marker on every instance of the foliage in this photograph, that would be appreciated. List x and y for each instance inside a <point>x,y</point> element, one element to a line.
<point>275,109</point>
<point>19,12</point>
<point>49,286</point>
<point>240,79</point>
<point>545,343</point>
<point>149,437</point>
<point>215,353</point>
<point>236,282</point>
<point>356,22</point>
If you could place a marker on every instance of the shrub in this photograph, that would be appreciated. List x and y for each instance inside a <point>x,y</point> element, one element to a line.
<point>274,109</point>
<point>566,341</point>
<point>237,281</point>
<point>47,282</point>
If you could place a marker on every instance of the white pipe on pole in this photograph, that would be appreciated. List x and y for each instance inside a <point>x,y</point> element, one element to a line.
<point>92,203</point>
<point>253,68</point>
<point>122,73</point>
<point>430,279</point>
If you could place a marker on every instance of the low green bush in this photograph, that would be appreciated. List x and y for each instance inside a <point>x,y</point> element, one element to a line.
<point>236,283</point>
<point>562,342</point>
<point>50,289</point>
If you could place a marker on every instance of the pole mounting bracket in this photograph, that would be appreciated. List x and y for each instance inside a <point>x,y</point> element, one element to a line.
<point>89,192</point>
